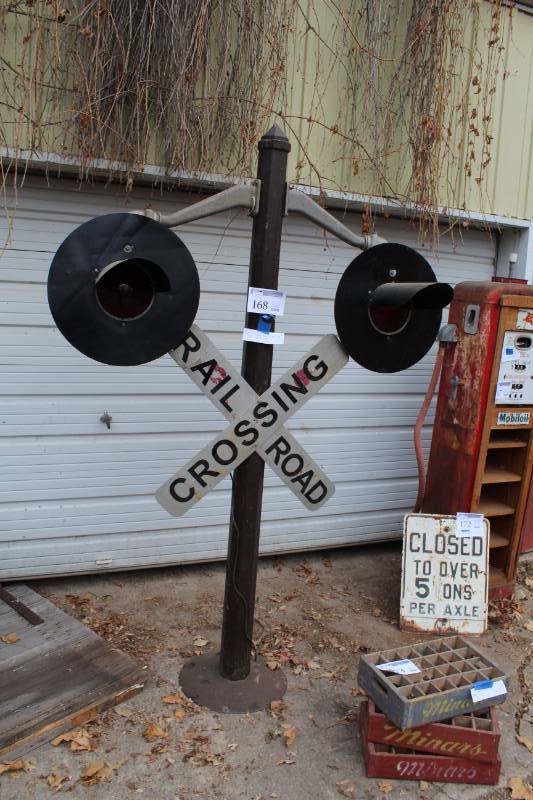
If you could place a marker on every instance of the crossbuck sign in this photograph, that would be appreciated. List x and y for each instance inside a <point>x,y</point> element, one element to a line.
<point>256,423</point>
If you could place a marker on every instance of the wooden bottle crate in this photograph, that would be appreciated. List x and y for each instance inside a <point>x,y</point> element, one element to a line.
<point>385,761</point>
<point>475,736</point>
<point>449,668</point>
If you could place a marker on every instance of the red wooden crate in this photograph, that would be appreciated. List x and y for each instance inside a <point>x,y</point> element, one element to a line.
<point>384,761</point>
<point>475,736</point>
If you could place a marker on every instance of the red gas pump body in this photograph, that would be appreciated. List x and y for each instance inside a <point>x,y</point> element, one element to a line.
<point>481,450</point>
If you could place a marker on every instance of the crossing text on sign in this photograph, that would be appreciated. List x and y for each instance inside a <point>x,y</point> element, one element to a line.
<point>257,426</point>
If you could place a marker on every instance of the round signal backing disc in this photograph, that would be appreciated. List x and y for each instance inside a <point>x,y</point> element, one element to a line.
<point>123,289</point>
<point>387,337</point>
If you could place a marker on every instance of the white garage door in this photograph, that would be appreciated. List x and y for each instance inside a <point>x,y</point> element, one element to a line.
<point>76,497</point>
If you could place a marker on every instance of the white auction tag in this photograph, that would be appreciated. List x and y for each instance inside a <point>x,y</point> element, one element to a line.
<point>469,524</point>
<point>403,667</point>
<point>503,390</point>
<point>251,335</point>
<point>266,301</point>
<point>484,690</point>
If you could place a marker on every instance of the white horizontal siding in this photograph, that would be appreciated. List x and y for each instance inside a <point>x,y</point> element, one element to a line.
<point>73,494</point>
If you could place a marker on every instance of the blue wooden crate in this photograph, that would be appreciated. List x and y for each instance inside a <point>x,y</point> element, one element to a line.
<point>449,668</point>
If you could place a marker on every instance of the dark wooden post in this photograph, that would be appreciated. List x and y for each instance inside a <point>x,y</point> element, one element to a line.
<point>247,494</point>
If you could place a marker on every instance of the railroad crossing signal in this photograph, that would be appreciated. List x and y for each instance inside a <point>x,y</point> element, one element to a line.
<point>256,422</point>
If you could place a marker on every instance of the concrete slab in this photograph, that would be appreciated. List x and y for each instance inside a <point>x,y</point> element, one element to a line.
<point>315,615</point>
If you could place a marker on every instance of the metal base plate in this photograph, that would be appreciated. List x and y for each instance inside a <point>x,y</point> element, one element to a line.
<point>200,679</point>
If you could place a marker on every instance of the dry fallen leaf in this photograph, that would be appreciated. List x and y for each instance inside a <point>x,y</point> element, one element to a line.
<point>312,664</point>
<point>200,641</point>
<point>272,665</point>
<point>154,731</point>
<point>285,761</point>
<point>10,638</point>
<point>92,769</point>
<point>55,781</point>
<point>355,691</point>
<point>98,772</point>
<point>424,785</point>
<point>179,713</point>
<point>529,582</point>
<point>385,787</point>
<point>519,789</point>
<point>12,766</point>
<point>289,734</point>
<point>529,625</point>
<point>346,788</point>
<point>526,741</point>
<point>81,742</point>
<point>376,612</point>
<point>174,699</point>
<point>79,739</point>
<point>277,707</point>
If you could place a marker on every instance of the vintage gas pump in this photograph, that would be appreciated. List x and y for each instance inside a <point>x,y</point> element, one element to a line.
<point>481,451</point>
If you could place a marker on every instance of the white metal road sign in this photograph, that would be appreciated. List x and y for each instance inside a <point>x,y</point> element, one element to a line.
<point>229,392</point>
<point>256,422</point>
<point>444,574</point>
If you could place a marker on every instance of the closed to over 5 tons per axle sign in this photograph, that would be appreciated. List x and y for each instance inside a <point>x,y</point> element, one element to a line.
<point>444,575</point>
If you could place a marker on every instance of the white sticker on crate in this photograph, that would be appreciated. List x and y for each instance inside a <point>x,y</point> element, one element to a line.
<point>484,690</point>
<point>402,667</point>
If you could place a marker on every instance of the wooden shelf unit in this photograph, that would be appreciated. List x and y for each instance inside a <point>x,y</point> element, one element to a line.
<point>481,449</point>
<point>504,471</point>
<point>505,460</point>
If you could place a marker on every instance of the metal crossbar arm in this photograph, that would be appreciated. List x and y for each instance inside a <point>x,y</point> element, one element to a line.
<point>247,195</point>
<point>243,195</point>
<point>301,203</point>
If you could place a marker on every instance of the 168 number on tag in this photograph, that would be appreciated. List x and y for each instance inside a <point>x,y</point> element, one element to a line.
<point>266,301</point>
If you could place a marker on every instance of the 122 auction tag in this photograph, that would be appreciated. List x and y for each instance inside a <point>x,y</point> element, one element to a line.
<point>266,301</point>
<point>469,524</point>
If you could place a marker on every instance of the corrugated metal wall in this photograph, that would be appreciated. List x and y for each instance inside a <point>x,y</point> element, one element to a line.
<point>77,498</point>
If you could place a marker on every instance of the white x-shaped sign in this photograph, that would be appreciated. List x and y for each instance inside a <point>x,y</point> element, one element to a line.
<point>256,422</point>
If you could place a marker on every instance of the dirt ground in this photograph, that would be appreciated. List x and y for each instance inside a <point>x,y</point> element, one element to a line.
<point>315,615</point>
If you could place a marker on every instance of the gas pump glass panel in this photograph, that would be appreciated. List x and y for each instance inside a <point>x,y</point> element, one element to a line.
<point>388,307</point>
<point>123,289</point>
<point>515,376</point>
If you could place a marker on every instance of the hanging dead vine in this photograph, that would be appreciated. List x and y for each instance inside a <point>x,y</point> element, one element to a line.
<point>192,84</point>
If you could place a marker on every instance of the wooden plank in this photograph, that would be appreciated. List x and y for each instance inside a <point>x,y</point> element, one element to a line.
<point>490,507</point>
<point>495,444</point>
<point>59,674</point>
<point>9,599</point>
<point>498,475</point>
